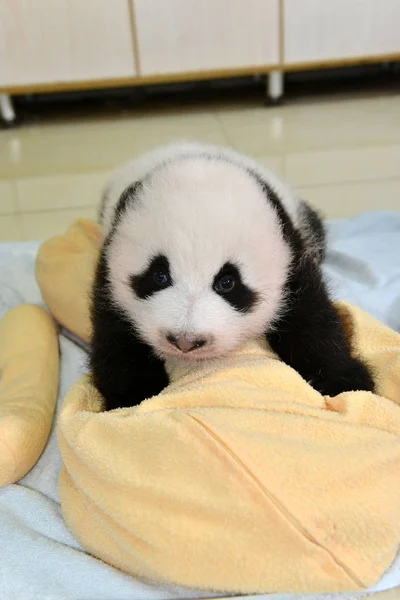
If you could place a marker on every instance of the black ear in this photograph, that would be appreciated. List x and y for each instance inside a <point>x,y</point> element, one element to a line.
<point>312,337</point>
<point>127,198</point>
<point>124,369</point>
<point>103,204</point>
<point>314,232</point>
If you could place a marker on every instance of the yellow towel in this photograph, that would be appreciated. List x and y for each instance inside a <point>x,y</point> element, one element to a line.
<point>65,268</point>
<point>29,375</point>
<point>240,477</point>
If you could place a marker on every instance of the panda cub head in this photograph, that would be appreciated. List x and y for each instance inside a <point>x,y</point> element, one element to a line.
<point>196,258</point>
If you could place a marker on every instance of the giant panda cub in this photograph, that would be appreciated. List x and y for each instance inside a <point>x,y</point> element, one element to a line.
<point>205,249</point>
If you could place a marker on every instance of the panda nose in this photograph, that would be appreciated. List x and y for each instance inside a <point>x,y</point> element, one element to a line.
<point>184,343</point>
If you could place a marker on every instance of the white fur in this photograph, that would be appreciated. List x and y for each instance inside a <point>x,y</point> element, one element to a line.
<point>143,165</point>
<point>200,214</point>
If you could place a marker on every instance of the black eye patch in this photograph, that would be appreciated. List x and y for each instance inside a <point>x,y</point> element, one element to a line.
<point>155,278</point>
<point>229,285</point>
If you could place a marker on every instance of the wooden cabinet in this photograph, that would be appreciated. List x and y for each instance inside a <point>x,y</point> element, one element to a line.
<point>71,44</point>
<point>319,31</point>
<point>183,36</point>
<point>50,41</point>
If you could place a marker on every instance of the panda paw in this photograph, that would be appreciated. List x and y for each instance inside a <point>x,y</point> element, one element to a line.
<point>355,377</point>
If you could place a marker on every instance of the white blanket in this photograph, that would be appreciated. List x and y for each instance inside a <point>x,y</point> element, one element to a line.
<point>39,557</point>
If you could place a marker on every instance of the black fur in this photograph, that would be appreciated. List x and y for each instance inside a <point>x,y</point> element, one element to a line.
<point>315,227</point>
<point>241,298</point>
<point>127,197</point>
<point>124,370</point>
<point>144,285</point>
<point>310,335</point>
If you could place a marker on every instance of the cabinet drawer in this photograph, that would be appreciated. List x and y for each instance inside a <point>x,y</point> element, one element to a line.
<point>317,31</point>
<point>181,36</point>
<point>46,41</point>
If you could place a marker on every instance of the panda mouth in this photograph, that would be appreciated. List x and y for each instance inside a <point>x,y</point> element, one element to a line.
<point>197,354</point>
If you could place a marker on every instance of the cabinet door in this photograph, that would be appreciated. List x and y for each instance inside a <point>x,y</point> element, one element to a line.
<point>47,41</point>
<point>181,36</point>
<point>317,31</point>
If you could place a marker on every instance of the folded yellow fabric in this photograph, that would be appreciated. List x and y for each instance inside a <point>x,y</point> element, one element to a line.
<point>65,267</point>
<point>29,369</point>
<point>240,477</point>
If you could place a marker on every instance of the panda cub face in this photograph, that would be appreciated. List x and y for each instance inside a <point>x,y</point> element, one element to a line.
<point>196,259</point>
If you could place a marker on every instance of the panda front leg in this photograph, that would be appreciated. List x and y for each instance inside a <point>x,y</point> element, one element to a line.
<point>311,337</point>
<point>124,370</point>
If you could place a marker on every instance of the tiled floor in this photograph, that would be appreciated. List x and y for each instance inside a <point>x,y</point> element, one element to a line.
<point>341,154</point>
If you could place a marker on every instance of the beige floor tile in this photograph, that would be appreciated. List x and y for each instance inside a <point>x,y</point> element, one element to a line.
<point>337,201</point>
<point>69,148</point>
<point>274,163</point>
<point>258,139</point>
<point>343,165</point>
<point>7,198</point>
<point>4,147</point>
<point>343,156</point>
<point>10,228</point>
<point>307,109</point>
<point>60,191</point>
<point>313,127</point>
<point>43,225</point>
